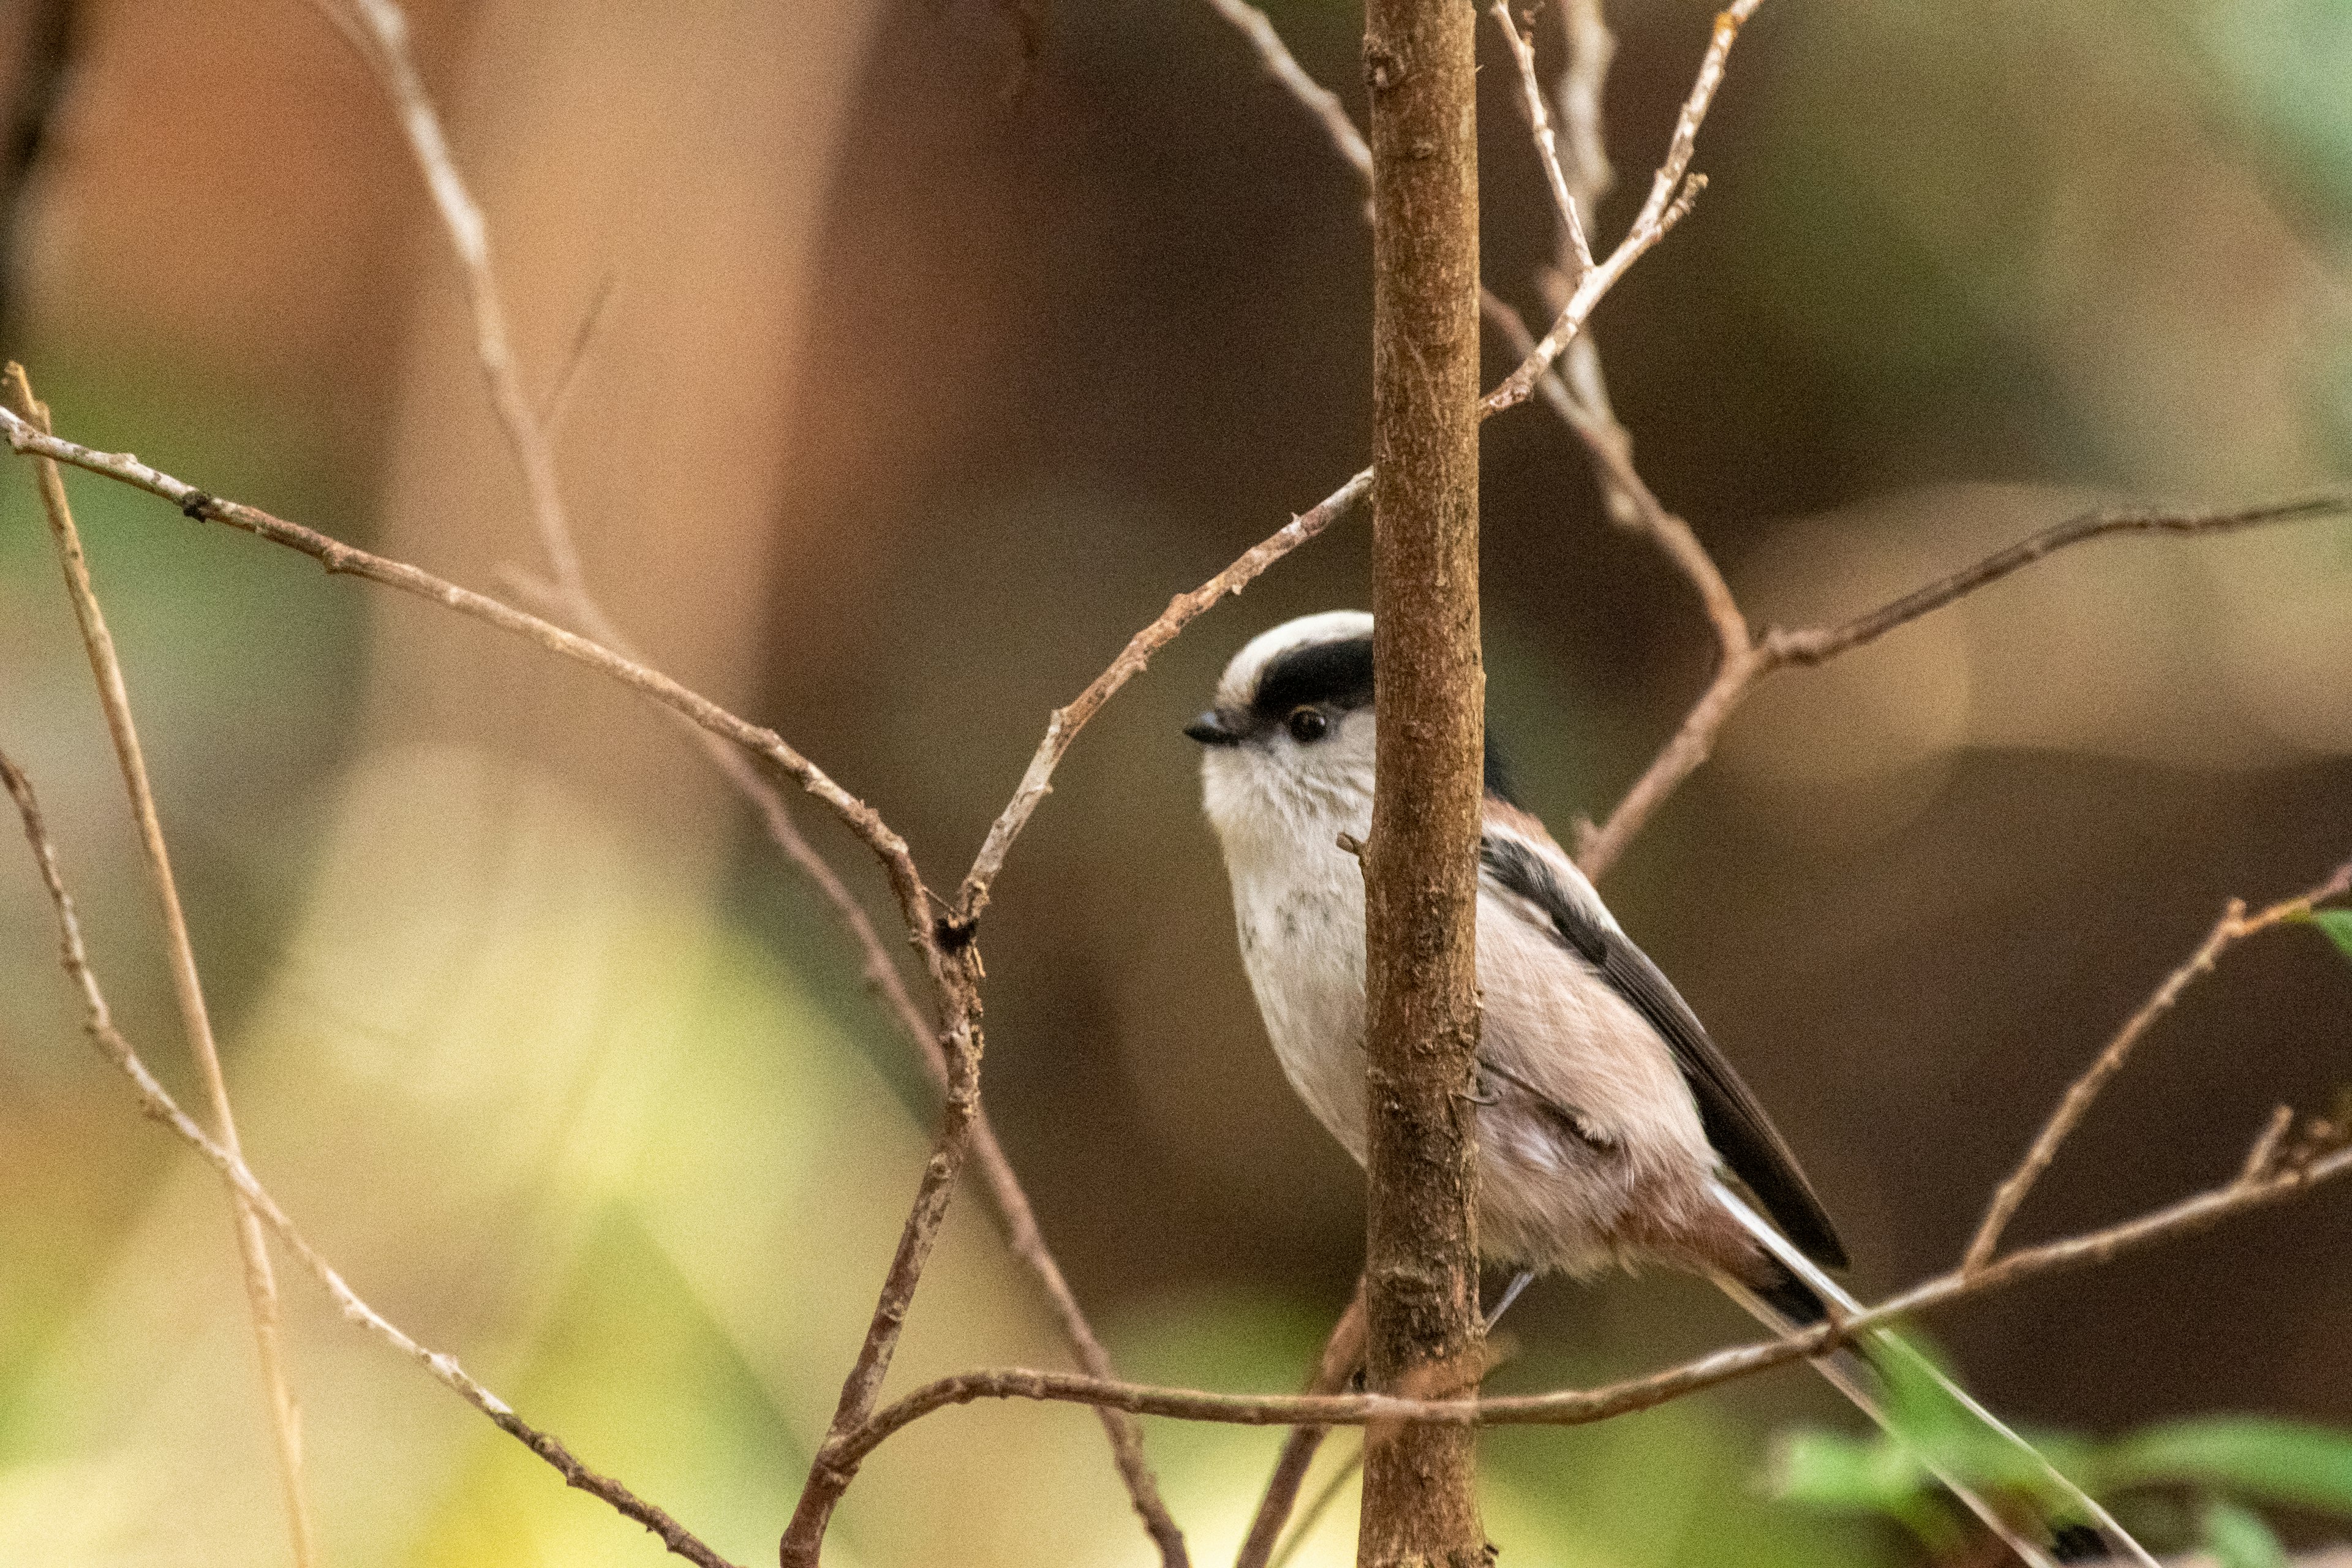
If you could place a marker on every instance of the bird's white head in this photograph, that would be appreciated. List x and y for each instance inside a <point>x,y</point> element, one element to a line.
<point>1289,746</point>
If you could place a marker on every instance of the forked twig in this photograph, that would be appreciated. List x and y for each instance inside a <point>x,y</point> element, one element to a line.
<point>256,1201</point>
<point>1777,647</point>
<point>1570,1407</point>
<point>379,31</point>
<point>187,985</point>
<point>2234,926</point>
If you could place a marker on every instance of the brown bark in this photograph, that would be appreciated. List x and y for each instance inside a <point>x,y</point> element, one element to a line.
<point>1420,863</point>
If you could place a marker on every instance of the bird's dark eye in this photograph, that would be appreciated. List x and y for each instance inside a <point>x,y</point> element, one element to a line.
<point>1307,724</point>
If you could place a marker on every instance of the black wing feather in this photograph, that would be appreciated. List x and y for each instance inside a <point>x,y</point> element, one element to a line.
<point>1735,1123</point>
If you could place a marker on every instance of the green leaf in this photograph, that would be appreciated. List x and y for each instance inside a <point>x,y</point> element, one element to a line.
<point>2238,1538</point>
<point>2336,923</point>
<point>2248,1456</point>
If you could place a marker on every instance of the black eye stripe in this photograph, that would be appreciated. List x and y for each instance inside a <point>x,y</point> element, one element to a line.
<point>1325,674</point>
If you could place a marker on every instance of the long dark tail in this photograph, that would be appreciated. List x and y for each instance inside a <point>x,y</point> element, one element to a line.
<point>1801,1295</point>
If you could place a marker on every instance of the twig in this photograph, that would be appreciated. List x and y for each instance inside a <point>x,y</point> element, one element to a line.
<point>379,30</point>
<point>906,881</point>
<point>1318,100</point>
<point>1590,48</point>
<point>1775,648</point>
<point>187,985</point>
<point>1523,51</point>
<point>1570,1407</point>
<point>834,1467</point>
<point>1817,644</point>
<point>551,408</point>
<point>158,1104</point>
<point>1343,1355</point>
<point>1036,783</point>
<point>2234,926</point>
<point>1671,194</point>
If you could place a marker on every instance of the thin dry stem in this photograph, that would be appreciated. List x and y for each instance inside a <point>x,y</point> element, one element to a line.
<point>1590,48</point>
<point>1318,100</point>
<point>2234,927</point>
<point>1342,1357</point>
<point>255,1200</point>
<point>379,30</point>
<point>906,881</point>
<point>1777,647</point>
<point>187,984</point>
<point>1580,1406</point>
<point>1523,52</point>
<point>1672,190</point>
<point>558,401</point>
<point>1063,727</point>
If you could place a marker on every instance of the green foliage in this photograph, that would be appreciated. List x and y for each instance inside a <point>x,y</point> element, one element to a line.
<point>2224,1467</point>
<point>2238,1538</point>
<point>2336,924</point>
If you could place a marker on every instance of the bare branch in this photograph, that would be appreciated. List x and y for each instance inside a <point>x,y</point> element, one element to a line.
<point>1318,100</point>
<point>187,985</point>
<point>1775,648</point>
<point>1612,450</point>
<point>379,31</point>
<point>1066,722</point>
<point>1571,1407</point>
<point>1523,51</point>
<point>1671,194</point>
<point>1342,1357</point>
<point>583,338</point>
<point>1590,48</point>
<point>2234,926</point>
<point>1817,644</point>
<point>158,1104</point>
<point>861,820</point>
<point>833,1468</point>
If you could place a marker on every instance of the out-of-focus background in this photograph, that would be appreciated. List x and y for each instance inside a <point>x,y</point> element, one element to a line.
<point>943,341</point>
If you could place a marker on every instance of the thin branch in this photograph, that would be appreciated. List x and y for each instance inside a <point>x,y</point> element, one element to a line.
<point>1672,190</point>
<point>187,985</point>
<point>1590,416</point>
<point>1570,1407</point>
<point>1777,647</point>
<point>158,1104</point>
<point>2234,926</point>
<point>1590,48</point>
<point>1523,51</point>
<point>1318,100</point>
<point>551,408</point>
<point>833,1468</point>
<point>1342,1357</point>
<point>1817,644</point>
<point>1015,1218</point>
<point>906,881</point>
<point>1063,727</point>
<point>379,30</point>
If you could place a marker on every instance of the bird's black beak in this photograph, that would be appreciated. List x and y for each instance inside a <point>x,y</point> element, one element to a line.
<point>1215,728</point>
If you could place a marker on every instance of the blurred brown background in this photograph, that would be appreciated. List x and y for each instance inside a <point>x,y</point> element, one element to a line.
<point>937,359</point>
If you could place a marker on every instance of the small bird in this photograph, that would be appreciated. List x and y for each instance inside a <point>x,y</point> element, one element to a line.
<point>1609,1125</point>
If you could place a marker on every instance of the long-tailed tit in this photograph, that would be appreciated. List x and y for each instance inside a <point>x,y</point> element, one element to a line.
<point>1611,1130</point>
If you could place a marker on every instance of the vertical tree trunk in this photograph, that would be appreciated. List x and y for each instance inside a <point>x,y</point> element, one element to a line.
<point>1421,865</point>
